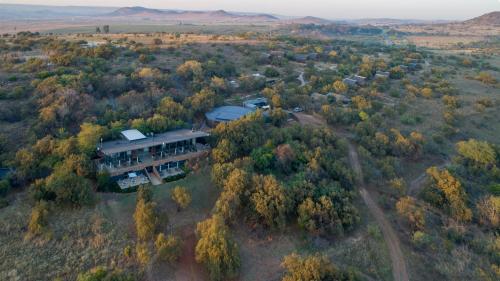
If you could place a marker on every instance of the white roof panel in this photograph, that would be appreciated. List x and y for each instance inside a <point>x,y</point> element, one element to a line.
<point>133,135</point>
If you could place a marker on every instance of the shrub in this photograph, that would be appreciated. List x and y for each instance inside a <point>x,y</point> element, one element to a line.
<point>168,248</point>
<point>38,220</point>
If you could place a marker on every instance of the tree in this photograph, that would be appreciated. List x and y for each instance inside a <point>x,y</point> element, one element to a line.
<point>38,220</point>
<point>230,200</point>
<point>105,28</point>
<point>407,207</point>
<point>168,247</point>
<point>89,136</point>
<point>202,101</point>
<point>97,29</point>
<point>171,109</point>
<point>340,87</point>
<point>319,217</point>
<point>285,158</point>
<point>271,72</point>
<point>454,196</point>
<point>396,72</point>
<point>224,151</point>
<point>478,154</point>
<point>312,268</point>
<point>215,249</point>
<point>269,200</point>
<point>181,196</point>
<point>488,209</point>
<point>146,220</point>
<point>190,69</point>
<point>278,117</point>
<point>144,193</point>
<point>67,185</point>
<point>142,253</point>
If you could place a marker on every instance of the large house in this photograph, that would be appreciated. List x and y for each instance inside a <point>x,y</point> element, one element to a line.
<point>158,156</point>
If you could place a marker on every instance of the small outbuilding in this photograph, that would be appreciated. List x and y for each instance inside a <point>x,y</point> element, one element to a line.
<point>255,103</point>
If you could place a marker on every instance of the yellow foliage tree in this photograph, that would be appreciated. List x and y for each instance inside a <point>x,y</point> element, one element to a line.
<point>455,196</point>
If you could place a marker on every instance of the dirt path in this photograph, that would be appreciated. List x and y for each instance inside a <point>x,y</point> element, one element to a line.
<point>301,79</point>
<point>399,271</point>
<point>309,120</point>
<point>417,184</point>
<point>189,269</point>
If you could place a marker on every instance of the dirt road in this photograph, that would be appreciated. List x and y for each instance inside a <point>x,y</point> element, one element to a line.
<point>399,271</point>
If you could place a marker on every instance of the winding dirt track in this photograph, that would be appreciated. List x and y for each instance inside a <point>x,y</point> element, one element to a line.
<point>399,271</point>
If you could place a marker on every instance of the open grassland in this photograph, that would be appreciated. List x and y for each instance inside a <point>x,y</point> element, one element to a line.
<point>171,28</point>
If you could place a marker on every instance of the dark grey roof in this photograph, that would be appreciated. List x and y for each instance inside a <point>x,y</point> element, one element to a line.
<point>227,113</point>
<point>117,146</point>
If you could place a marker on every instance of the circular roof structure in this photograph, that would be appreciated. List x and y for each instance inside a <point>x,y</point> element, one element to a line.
<point>227,113</point>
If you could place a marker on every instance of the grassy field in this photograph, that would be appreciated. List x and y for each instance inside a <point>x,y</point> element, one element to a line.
<point>170,28</point>
<point>90,236</point>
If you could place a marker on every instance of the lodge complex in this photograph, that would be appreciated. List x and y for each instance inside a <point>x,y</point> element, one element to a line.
<point>136,159</point>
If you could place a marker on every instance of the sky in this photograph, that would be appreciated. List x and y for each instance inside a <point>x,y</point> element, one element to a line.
<point>330,9</point>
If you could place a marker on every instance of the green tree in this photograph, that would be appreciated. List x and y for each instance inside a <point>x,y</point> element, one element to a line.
<point>181,197</point>
<point>319,217</point>
<point>68,186</point>
<point>215,249</point>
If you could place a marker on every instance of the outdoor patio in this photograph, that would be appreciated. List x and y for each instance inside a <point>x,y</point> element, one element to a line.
<point>133,180</point>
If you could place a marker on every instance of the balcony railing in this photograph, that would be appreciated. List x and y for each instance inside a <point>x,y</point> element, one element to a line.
<point>120,166</point>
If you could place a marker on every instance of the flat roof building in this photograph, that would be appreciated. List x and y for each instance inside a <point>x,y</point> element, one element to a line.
<point>136,152</point>
<point>132,135</point>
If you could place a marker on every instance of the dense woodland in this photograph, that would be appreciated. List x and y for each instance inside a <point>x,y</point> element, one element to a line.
<point>59,98</point>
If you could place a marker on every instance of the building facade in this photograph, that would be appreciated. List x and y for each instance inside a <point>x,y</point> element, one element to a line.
<point>136,152</point>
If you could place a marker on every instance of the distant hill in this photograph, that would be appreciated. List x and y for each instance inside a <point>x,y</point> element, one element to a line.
<point>492,18</point>
<point>45,12</point>
<point>392,22</point>
<point>309,20</point>
<point>135,11</point>
<point>188,16</point>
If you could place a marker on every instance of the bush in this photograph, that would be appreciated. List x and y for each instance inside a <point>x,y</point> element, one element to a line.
<point>4,187</point>
<point>420,239</point>
<point>142,253</point>
<point>168,248</point>
<point>104,274</point>
<point>38,220</point>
